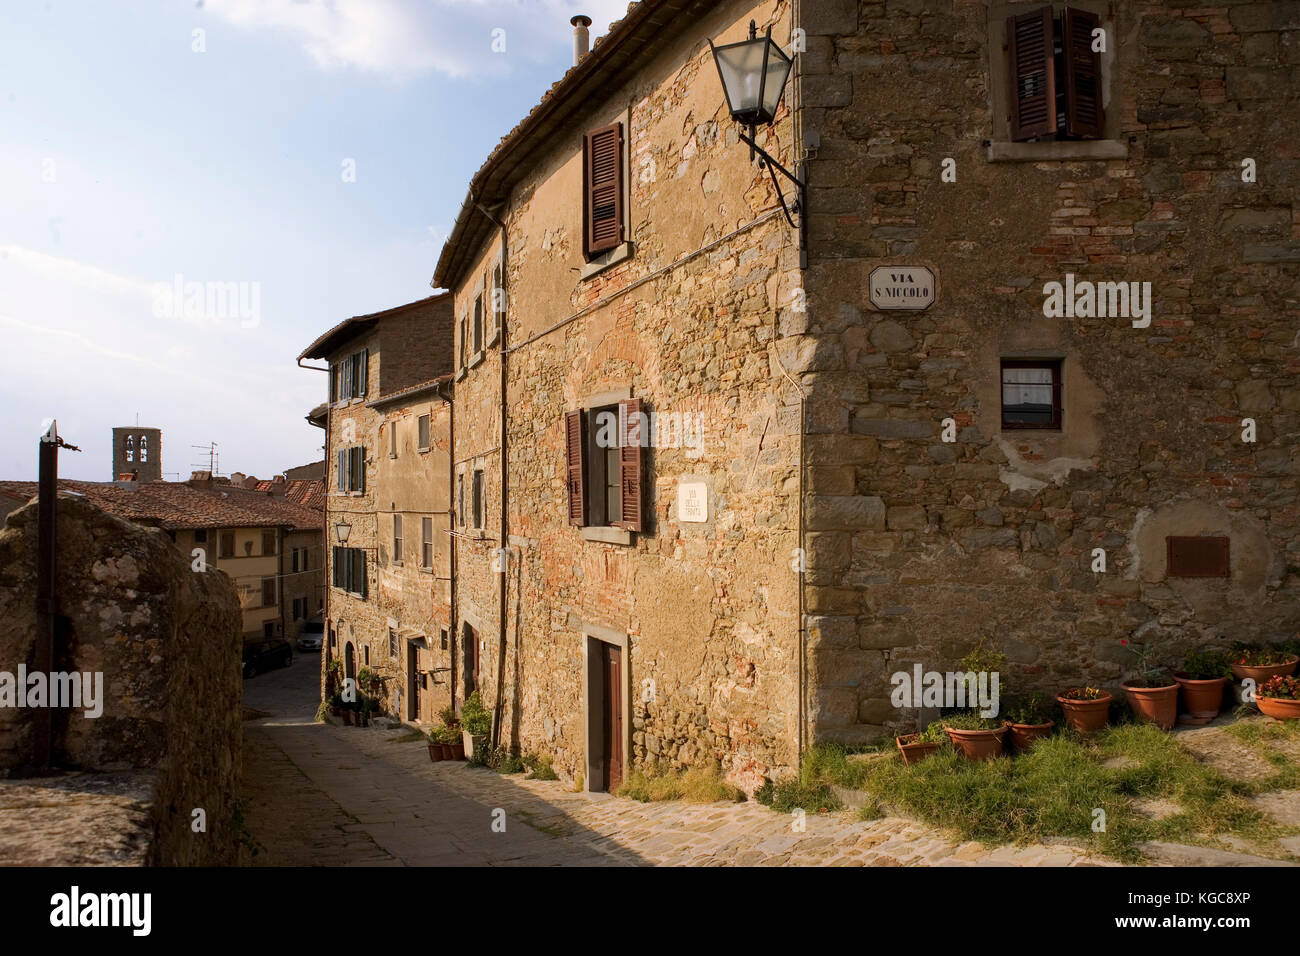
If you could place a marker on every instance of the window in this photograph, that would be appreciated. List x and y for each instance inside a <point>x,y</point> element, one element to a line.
<point>268,628</point>
<point>604,465</point>
<point>201,536</point>
<point>365,651</point>
<point>423,427</point>
<point>1054,76</point>
<point>348,376</point>
<point>392,643</point>
<point>478,323</point>
<point>443,638</point>
<point>1031,394</point>
<point>130,448</point>
<point>1197,557</point>
<point>602,190</point>
<point>268,592</point>
<point>426,542</point>
<point>397,539</point>
<point>498,293</point>
<point>144,447</point>
<point>299,608</point>
<point>268,542</point>
<point>293,560</point>
<point>350,469</point>
<point>392,439</point>
<point>478,498</point>
<point>349,572</point>
<point>464,337</point>
<point>226,544</point>
<point>460,499</point>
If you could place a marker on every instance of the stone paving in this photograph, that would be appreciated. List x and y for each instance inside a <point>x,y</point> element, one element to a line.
<point>329,795</point>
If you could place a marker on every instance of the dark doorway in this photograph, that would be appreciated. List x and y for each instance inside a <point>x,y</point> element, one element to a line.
<point>611,666</point>
<point>412,681</point>
<point>469,658</point>
<point>349,661</point>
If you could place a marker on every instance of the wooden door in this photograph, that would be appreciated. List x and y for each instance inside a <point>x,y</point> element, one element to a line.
<point>612,668</point>
<point>413,704</point>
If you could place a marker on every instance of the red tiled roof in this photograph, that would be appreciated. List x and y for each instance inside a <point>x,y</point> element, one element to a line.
<point>174,505</point>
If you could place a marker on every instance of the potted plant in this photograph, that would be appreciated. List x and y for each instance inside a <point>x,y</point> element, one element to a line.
<point>1030,719</point>
<point>435,745</point>
<point>1260,664</point>
<point>1202,679</point>
<point>475,724</point>
<point>978,738</point>
<point>1153,693</point>
<point>336,705</point>
<point>1086,708</point>
<point>333,676</point>
<point>916,747</point>
<point>1279,697</point>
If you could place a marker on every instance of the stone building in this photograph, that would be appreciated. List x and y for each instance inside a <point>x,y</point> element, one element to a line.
<point>388,428</point>
<point>875,486</point>
<point>137,452</point>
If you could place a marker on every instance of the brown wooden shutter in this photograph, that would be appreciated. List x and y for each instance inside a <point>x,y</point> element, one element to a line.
<point>1032,71</point>
<point>631,440</point>
<point>364,358</point>
<point>575,467</point>
<point>603,189</point>
<point>1083,112</point>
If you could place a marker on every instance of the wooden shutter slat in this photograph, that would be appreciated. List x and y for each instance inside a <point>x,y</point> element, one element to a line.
<point>575,467</point>
<point>1031,108</point>
<point>603,189</point>
<point>631,441</point>
<point>1083,108</point>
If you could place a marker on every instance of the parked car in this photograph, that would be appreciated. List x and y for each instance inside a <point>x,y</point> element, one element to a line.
<point>265,654</point>
<point>312,635</point>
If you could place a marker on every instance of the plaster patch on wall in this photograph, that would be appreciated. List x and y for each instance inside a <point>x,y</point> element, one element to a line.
<point>1134,552</point>
<point>1021,474</point>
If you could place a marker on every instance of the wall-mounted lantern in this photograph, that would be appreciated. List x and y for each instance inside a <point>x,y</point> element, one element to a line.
<point>342,530</point>
<point>754,73</point>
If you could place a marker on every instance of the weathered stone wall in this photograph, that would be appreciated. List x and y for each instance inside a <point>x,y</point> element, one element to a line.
<point>919,547</point>
<point>708,611</point>
<point>166,640</point>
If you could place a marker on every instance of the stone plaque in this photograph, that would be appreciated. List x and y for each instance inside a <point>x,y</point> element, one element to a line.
<point>901,287</point>
<point>692,501</point>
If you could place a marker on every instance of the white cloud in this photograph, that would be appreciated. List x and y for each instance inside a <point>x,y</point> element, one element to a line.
<point>71,272</point>
<point>404,38</point>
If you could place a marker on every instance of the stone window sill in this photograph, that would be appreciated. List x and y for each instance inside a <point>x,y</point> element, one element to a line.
<point>1060,149</point>
<point>423,451</point>
<point>461,374</point>
<point>603,261</point>
<point>607,535</point>
<point>477,360</point>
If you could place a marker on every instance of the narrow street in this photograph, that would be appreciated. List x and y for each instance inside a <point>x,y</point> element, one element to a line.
<point>321,795</point>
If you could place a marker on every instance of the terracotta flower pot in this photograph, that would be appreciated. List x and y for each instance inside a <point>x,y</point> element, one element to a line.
<point>914,751</point>
<point>1159,705</point>
<point>435,753</point>
<point>1202,699</point>
<point>978,744</point>
<point>348,717</point>
<point>1260,673</point>
<point>1279,708</point>
<point>1024,735</point>
<point>336,711</point>
<point>1085,716</point>
<point>457,751</point>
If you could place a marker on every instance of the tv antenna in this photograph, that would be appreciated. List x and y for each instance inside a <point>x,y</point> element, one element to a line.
<point>210,449</point>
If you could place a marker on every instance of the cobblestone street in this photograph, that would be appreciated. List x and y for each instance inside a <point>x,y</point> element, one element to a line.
<point>322,795</point>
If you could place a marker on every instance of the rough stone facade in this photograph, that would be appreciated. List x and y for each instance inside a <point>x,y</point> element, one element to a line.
<point>166,640</point>
<point>408,349</point>
<point>825,416</point>
<point>918,547</point>
<point>705,614</point>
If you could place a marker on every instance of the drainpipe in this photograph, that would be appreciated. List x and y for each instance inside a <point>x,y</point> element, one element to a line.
<point>453,638</point>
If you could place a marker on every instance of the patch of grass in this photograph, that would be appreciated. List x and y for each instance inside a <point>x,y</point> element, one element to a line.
<point>696,785</point>
<point>1053,790</point>
<point>540,767</point>
<point>408,737</point>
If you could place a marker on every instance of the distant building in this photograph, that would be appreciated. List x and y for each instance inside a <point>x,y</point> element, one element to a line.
<point>137,452</point>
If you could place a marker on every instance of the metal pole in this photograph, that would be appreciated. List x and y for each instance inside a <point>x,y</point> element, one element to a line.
<point>46,602</point>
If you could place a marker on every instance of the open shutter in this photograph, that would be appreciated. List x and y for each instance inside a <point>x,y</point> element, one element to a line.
<point>335,571</point>
<point>334,383</point>
<point>603,188</point>
<point>1083,112</point>
<point>363,371</point>
<point>575,467</point>
<point>359,571</point>
<point>631,439</point>
<point>341,478</point>
<point>1032,70</point>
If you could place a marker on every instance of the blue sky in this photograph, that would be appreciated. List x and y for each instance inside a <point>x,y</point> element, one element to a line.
<point>131,160</point>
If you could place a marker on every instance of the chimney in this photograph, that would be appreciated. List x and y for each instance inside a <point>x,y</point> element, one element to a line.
<point>581,37</point>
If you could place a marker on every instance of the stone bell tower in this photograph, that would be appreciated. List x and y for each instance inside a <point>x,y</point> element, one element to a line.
<point>137,450</point>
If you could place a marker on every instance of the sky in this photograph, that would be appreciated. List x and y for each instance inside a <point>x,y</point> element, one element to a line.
<point>190,193</point>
